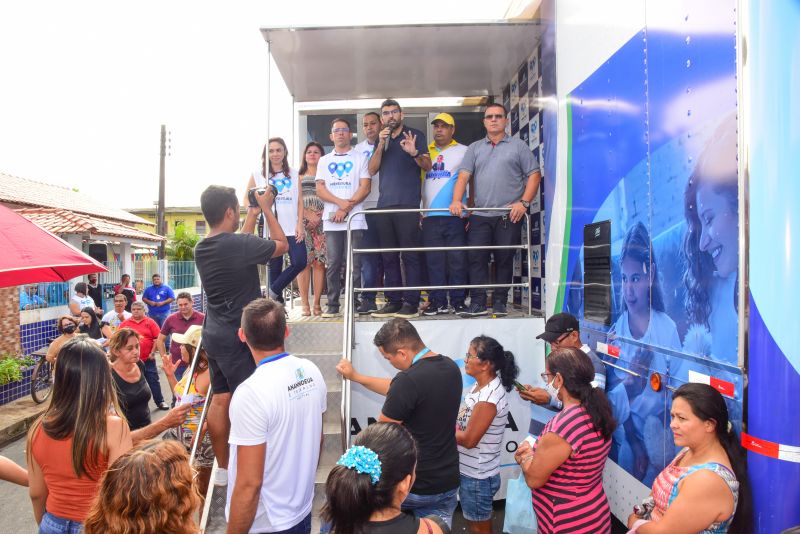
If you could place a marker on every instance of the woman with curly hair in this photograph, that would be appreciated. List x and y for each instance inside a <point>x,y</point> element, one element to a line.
<point>71,445</point>
<point>148,489</point>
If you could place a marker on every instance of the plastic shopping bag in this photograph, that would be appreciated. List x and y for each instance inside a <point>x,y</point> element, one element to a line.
<point>519,518</point>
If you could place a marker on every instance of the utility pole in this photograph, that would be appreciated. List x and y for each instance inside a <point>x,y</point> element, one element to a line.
<point>161,226</point>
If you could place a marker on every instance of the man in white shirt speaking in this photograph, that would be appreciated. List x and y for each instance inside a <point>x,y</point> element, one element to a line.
<point>276,431</point>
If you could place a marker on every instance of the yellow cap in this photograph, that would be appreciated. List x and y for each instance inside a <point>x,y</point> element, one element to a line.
<point>445,118</point>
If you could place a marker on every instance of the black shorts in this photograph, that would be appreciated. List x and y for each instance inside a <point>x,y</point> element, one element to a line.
<point>231,370</point>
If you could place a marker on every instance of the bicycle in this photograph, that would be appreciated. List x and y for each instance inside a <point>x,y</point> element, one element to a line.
<point>41,380</point>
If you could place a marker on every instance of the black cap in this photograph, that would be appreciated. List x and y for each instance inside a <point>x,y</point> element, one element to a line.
<point>558,325</point>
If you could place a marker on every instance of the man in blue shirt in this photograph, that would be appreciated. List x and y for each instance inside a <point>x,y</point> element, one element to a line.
<point>158,297</point>
<point>29,300</point>
<point>399,156</point>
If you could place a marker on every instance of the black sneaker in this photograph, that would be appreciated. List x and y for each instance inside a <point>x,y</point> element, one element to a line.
<point>366,307</point>
<point>474,310</point>
<point>389,310</point>
<point>499,309</point>
<point>459,308</point>
<point>407,311</point>
<point>437,309</point>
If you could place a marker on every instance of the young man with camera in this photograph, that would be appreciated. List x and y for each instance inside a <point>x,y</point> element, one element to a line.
<point>228,265</point>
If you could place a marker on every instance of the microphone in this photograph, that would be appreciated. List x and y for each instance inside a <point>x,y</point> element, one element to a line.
<point>391,125</point>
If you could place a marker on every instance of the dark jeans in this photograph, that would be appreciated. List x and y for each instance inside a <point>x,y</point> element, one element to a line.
<point>303,527</point>
<point>445,268</point>
<point>397,230</point>
<point>371,264</point>
<point>491,231</point>
<point>279,277</point>
<point>336,254</point>
<point>159,319</point>
<point>151,375</point>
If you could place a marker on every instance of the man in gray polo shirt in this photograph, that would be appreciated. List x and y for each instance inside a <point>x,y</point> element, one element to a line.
<point>505,175</point>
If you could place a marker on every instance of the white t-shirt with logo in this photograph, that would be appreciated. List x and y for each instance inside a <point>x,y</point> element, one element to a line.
<point>437,190</point>
<point>83,302</point>
<point>281,404</point>
<point>286,201</point>
<point>342,174</point>
<point>112,318</point>
<point>483,461</point>
<point>372,199</point>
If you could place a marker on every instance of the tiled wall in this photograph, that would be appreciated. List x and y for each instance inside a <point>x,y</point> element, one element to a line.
<point>9,320</point>
<point>522,97</point>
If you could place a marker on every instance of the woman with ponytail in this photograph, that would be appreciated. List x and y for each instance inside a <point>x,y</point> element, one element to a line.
<point>479,429</point>
<point>705,489</point>
<point>564,467</point>
<point>367,486</point>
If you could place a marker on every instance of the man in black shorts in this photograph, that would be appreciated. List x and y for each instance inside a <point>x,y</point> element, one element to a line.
<point>228,265</point>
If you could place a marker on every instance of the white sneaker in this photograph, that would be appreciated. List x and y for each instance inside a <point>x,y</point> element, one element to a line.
<point>221,477</point>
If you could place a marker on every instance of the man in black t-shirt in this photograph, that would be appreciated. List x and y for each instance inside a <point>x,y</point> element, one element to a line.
<point>228,265</point>
<point>424,396</point>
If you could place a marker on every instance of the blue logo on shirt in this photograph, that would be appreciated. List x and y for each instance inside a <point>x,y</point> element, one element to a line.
<point>340,168</point>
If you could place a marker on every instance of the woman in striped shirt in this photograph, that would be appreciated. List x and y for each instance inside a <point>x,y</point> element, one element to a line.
<point>479,429</point>
<point>565,465</point>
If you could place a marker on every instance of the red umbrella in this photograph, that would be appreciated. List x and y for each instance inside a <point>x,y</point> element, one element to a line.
<point>30,254</point>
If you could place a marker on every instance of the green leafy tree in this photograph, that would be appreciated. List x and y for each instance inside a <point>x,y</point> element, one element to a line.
<point>180,245</point>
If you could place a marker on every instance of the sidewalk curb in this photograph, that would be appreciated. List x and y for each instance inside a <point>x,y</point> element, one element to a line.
<point>20,427</point>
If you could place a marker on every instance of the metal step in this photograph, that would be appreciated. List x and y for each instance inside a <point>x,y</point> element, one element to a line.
<point>315,336</point>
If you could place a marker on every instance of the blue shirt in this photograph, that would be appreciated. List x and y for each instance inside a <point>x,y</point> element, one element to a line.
<point>400,184</point>
<point>27,300</point>
<point>158,294</point>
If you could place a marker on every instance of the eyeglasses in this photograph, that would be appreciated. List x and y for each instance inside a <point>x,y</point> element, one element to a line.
<point>545,375</point>
<point>340,130</point>
<point>497,116</point>
<point>560,339</point>
<point>469,356</point>
<point>389,112</point>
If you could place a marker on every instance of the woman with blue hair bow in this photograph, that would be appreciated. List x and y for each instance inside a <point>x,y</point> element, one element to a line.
<point>367,486</point>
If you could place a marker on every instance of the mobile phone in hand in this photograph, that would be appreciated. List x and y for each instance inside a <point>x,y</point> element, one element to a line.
<point>520,387</point>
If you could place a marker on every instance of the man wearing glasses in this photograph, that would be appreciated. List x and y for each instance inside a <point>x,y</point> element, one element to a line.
<point>399,156</point>
<point>563,330</point>
<point>343,182</point>
<point>504,175</point>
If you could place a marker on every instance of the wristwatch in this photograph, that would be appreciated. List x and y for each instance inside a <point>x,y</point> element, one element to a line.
<point>525,203</point>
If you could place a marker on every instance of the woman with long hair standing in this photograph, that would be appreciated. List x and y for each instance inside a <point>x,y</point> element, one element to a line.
<point>132,390</point>
<point>147,490</point>
<point>288,207</point>
<point>366,488</point>
<point>565,465</point>
<point>480,426</point>
<point>312,221</point>
<point>89,324</point>
<point>72,444</point>
<point>705,488</point>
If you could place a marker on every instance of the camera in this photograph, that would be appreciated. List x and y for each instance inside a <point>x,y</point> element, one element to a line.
<point>251,194</point>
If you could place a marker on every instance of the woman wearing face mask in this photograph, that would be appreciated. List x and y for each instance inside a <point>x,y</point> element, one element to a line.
<point>705,489</point>
<point>366,488</point>
<point>711,249</point>
<point>480,426</point>
<point>288,205</point>
<point>68,326</point>
<point>643,319</point>
<point>565,465</point>
<point>315,238</point>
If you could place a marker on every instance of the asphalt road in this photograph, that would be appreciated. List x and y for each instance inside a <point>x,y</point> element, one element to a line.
<point>15,506</point>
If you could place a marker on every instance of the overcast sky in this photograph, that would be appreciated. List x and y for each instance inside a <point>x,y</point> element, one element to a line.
<point>85,86</point>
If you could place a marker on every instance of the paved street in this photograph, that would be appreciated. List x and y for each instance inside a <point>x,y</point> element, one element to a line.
<point>15,506</point>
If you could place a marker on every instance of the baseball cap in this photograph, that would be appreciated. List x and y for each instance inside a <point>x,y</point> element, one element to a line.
<point>558,325</point>
<point>190,337</point>
<point>445,118</point>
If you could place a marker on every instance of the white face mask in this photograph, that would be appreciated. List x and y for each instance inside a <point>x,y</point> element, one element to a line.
<point>551,389</point>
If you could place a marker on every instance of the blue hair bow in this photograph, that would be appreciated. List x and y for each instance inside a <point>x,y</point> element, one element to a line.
<point>363,460</point>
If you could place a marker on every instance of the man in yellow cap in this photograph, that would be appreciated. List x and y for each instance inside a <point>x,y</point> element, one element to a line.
<point>440,228</point>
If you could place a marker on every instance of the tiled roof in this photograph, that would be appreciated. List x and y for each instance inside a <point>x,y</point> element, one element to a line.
<point>24,192</point>
<point>61,221</point>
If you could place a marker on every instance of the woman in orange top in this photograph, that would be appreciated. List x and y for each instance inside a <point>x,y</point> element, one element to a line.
<point>74,441</point>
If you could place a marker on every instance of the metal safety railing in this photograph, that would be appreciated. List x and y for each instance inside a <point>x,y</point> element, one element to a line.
<point>350,291</point>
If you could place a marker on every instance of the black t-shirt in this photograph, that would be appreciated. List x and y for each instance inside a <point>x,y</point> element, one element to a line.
<point>228,267</point>
<point>400,184</point>
<point>96,293</point>
<point>134,398</point>
<point>426,398</point>
<point>404,523</point>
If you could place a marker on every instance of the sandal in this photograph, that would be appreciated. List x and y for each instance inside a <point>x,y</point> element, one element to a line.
<point>317,311</point>
<point>306,310</point>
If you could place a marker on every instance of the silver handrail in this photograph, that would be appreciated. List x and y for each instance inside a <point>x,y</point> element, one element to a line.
<point>350,291</point>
